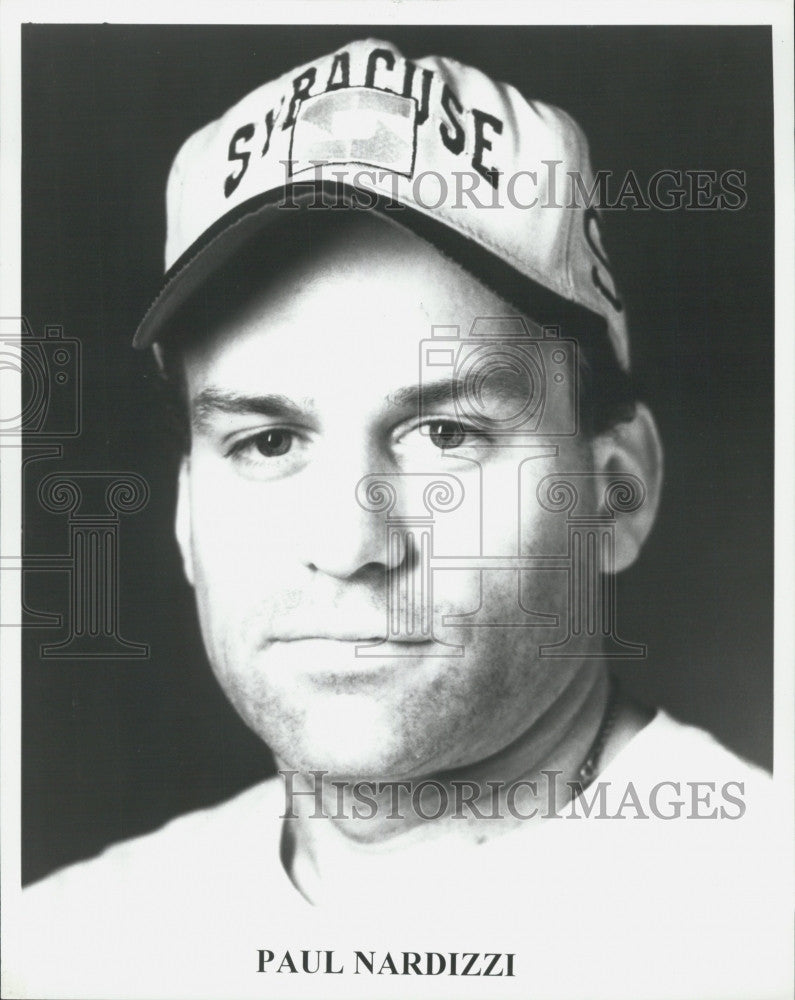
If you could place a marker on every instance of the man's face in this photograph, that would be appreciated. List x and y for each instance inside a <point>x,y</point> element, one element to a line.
<point>309,386</point>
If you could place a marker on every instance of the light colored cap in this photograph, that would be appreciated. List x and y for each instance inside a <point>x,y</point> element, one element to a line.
<point>443,149</point>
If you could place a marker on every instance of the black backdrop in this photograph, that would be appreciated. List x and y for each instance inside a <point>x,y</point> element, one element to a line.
<point>112,747</point>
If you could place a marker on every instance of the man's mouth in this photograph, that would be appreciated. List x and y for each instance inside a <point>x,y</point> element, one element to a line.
<point>352,637</point>
<point>330,656</point>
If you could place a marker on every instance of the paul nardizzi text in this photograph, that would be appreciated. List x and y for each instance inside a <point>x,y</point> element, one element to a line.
<point>396,963</point>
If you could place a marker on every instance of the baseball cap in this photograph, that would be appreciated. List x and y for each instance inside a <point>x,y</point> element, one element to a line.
<point>497,181</point>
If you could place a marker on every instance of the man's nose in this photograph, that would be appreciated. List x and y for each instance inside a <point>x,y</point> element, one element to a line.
<point>342,538</point>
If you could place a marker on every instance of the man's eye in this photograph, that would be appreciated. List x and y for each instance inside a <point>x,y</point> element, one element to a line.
<point>446,434</point>
<point>274,453</point>
<point>439,436</point>
<point>273,443</point>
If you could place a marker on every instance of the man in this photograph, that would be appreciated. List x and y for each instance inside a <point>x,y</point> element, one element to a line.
<point>412,464</point>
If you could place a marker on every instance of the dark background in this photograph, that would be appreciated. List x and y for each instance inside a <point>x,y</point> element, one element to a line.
<point>113,748</point>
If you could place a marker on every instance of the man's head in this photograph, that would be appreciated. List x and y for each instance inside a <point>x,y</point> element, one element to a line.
<point>311,382</point>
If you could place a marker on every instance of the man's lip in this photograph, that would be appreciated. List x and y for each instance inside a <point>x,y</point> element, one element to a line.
<point>354,638</point>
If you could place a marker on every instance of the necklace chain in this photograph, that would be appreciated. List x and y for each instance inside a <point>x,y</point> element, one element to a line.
<point>590,766</point>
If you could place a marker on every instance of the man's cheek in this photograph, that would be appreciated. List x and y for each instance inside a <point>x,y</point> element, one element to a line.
<point>239,545</point>
<point>455,592</point>
<point>227,584</point>
<point>241,503</point>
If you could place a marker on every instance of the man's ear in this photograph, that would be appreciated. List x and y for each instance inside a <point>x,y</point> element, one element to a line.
<point>633,447</point>
<point>182,521</point>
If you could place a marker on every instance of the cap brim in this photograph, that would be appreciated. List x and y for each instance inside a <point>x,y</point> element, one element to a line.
<point>222,241</point>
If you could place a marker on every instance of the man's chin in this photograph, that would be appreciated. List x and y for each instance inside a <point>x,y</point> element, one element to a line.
<point>358,735</point>
<point>357,709</point>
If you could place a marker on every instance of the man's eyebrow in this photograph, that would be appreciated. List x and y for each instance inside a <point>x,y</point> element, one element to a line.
<point>502,384</point>
<point>210,402</point>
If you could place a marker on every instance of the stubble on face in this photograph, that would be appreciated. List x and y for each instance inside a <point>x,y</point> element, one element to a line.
<point>282,559</point>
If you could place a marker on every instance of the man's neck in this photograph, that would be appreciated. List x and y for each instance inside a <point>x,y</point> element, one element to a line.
<point>365,831</point>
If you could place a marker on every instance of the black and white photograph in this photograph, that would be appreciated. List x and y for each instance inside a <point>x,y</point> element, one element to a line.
<point>396,446</point>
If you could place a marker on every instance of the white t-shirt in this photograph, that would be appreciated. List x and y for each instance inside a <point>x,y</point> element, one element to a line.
<point>588,907</point>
